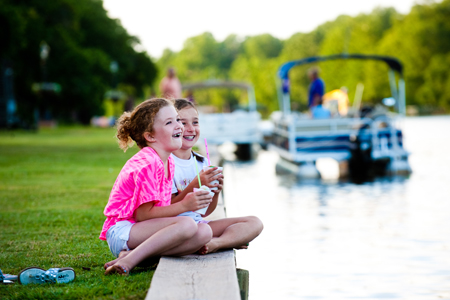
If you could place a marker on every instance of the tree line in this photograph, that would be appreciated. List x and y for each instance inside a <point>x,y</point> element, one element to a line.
<point>419,39</point>
<point>88,54</point>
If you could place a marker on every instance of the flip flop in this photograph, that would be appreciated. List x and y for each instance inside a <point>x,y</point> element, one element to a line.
<point>39,275</point>
<point>7,278</point>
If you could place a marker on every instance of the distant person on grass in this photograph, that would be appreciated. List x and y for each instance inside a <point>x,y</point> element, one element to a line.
<point>170,86</point>
<point>140,221</point>
<point>228,232</point>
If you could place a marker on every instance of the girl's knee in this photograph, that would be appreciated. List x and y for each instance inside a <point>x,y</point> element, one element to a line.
<point>256,223</point>
<point>188,227</point>
<point>204,233</point>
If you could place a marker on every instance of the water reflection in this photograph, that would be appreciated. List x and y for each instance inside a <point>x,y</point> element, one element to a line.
<point>325,239</point>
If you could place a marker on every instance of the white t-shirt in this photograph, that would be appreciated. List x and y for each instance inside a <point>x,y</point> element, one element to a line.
<point>185,172</point>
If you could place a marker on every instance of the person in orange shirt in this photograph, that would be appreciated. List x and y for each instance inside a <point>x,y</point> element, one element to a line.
<point>337,101</point>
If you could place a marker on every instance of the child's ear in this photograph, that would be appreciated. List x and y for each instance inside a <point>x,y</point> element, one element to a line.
<point>148,137</point>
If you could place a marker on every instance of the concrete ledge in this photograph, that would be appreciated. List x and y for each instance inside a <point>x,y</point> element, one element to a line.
<point>198,277</point>
<point>211,276</point>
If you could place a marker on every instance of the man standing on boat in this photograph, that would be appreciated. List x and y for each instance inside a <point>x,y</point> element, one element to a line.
<point>316,88</point>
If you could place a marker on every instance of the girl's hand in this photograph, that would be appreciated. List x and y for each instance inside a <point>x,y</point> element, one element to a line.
<point>210,175</point>
<point>196,200</point>
<point>219,186</point>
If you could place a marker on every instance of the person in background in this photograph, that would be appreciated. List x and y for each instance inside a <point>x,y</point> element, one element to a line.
<point>170,86</point>
<point>320,112</point>
<point>316,88</point>
<point>337,102</point>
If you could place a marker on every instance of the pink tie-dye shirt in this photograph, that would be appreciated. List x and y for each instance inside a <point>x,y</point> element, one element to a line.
<point>141,180</point>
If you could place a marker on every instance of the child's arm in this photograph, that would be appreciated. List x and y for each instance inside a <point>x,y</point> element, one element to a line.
<point>205,177</point>
<point>190,188</point>
<point>215,198</point>
<point>191,202</point>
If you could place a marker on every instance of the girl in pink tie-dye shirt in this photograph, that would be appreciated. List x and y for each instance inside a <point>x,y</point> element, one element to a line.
<point>140,221</point>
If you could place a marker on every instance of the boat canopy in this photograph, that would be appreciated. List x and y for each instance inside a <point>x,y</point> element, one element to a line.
<point>224,84</point>
<point>398,93</point>
<point>392,62</point>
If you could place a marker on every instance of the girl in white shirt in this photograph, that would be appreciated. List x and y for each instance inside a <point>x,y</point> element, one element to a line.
<point>229,232</point>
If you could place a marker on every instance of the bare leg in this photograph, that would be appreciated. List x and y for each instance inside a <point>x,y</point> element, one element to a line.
<point>203,236</point>
<point>152,237</point>
<point>233,233</point>
<point>185,234</point>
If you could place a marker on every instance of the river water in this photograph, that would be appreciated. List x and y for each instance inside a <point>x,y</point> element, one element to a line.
<point>330,239</point>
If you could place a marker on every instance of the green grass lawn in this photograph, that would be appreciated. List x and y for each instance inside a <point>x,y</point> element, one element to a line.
<point>54,185</point>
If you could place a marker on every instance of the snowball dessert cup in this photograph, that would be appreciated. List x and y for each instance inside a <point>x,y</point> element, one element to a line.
<point>202,211</point>
<point>214,181</point>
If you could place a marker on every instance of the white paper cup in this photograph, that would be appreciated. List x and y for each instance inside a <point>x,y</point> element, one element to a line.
<point>202,211</point>
<point>214,181</point>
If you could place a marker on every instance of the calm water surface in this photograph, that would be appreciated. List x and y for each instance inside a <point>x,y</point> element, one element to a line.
<point>324,239</point>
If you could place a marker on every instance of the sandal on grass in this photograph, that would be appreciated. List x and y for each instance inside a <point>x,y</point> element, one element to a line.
<point>39,275</point>
<point>7,278</point>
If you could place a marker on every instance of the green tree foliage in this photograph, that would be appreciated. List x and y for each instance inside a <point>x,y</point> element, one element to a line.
<point>358,35</point>
<point>83,42</point>
<point>420,40</point>
<point>435,91</point>
<point>203,58</point>
<point>298,46</point>
<point>257,63</point>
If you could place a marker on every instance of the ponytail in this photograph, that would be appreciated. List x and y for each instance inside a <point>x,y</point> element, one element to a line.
<point>124,131</point>
<point>198,157</point>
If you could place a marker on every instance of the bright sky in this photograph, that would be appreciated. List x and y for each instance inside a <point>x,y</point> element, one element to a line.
<point>168,23</point>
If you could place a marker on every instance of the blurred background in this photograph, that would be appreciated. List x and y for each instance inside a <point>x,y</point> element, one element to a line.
<point>67,61</point>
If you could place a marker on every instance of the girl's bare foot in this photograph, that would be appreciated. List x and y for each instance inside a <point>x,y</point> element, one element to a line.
<point>212,247</point>
<point>203,250</point>
<point>122,254</point>
<point>242,247</point>
<point>118,268</point>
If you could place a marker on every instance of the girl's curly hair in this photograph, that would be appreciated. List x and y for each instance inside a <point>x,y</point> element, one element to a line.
<point>132,125</point>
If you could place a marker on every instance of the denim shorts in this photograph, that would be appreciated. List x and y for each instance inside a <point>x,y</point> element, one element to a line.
<point>195,216</point>
<point>117,237</point>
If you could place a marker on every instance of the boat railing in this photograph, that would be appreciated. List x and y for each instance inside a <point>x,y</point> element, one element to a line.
<point>317,127</point>
<point>237,127</point>
<point>387,140</point>
<point>305,139</point>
